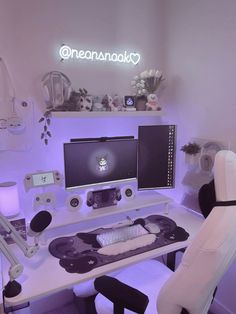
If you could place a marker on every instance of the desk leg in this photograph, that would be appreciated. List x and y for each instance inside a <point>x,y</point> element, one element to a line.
<point>86,305</point>
<point>18,309</point>
<point>170,262</point>
<point>22,311</point>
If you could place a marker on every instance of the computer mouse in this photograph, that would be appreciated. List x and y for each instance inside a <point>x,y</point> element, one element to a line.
<point>152,227</point>
<point>139,221</point>
<point>178,234</point>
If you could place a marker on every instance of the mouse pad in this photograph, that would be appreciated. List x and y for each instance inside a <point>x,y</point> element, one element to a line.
<point>79,253</point>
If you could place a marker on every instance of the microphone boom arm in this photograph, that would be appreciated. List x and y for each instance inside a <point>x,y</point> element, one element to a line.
<point>16,268</point>
<point>39,222</point>
<point>28,250</point>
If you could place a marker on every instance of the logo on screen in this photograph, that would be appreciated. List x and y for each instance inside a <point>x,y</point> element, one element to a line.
<point>102,163</point>
<point>43,179</point>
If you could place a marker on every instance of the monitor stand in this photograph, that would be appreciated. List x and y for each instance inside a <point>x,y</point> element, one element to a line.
<point>103,198</point>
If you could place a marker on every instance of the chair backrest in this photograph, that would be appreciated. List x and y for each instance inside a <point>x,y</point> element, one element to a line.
<point>211,252</point>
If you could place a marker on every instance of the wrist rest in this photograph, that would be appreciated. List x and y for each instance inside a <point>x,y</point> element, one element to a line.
<point>129,245</point>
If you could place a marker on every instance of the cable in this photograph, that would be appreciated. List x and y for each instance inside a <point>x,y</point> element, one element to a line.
<point>10,81</point>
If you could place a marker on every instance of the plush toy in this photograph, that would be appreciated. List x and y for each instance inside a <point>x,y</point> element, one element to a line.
<point>152,102</point>
<point>107,101</point>
<point>116,104</point>
<point>85,103</point>
<point>97,106</point>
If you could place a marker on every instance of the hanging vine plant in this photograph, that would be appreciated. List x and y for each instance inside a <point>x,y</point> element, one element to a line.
<point>46,134</point>
<point>72,104</point>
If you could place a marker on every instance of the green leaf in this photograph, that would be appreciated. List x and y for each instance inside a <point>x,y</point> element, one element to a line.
<point>42,136</point>
<point>48,121</point>
<point>85,91</point>
<point>81,91</point>
<point>49,134</point>
<point>48,113</point>
<point>45,128</point>
<point>46,141</point>
<point>41,119</point>
<point>88,100</point>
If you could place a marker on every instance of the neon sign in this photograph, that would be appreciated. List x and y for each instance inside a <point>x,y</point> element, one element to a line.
<point>66,52</point>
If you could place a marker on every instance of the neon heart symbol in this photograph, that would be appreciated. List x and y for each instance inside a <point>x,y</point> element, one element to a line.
<point>134,58</point>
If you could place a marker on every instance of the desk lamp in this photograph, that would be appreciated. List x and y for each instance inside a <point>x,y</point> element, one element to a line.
<point>9,199</point>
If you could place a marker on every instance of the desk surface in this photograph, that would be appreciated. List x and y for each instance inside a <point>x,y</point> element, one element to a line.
<point>43,275</point>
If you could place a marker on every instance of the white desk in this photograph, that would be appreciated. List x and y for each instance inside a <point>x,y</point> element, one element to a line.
<point>43,275</point>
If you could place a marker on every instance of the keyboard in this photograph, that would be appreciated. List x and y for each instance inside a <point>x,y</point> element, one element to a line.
<point>121,234</point>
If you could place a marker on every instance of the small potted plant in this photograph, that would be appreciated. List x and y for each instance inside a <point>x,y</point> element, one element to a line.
<point>191,151</point>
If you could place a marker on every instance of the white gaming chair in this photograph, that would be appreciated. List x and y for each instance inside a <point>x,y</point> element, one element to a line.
<point>190,288</point>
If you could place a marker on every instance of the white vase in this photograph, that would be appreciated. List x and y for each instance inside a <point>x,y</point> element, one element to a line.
<point>192,160</point>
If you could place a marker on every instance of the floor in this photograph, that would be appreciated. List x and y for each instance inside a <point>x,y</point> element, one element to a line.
<point>67,309</point>
<point>64,302</point>
<point>59,303</point>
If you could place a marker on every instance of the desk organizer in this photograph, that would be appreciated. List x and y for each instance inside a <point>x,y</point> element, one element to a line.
<point>79,253</point>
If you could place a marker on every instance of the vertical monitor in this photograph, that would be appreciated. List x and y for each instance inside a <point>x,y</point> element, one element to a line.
<point>156,156</point>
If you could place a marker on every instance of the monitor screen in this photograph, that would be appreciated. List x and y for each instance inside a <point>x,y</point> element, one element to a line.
<point>94,161</point>
<point>156,156</point>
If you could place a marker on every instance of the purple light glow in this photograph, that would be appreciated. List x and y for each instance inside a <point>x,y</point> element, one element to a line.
<point>9,200</point>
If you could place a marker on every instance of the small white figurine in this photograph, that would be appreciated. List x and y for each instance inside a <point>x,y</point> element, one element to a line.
<point>97,106</point>
<point>107,101</point>
<point>116,104</point>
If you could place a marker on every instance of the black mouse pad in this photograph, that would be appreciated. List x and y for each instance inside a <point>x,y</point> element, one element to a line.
<point>79,253</point>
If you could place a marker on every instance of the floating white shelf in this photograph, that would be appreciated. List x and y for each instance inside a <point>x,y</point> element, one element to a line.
<point>104,114</point>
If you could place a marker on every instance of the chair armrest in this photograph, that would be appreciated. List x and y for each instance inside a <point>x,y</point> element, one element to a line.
<point>121,294</point>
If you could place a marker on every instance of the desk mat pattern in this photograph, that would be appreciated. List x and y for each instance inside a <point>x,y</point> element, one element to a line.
<point>78,253</point>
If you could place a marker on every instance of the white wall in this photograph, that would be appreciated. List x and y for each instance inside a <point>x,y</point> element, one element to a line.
<point>192,41</point>
<point>31,33</point>
<point>200,50</point>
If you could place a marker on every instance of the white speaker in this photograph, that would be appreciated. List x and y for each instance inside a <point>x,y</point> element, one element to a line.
<point>74,202</point>
<point>44,200</point>
<point>128,192</point>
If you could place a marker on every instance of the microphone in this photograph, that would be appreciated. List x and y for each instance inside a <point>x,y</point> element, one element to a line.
<point>39,223</point>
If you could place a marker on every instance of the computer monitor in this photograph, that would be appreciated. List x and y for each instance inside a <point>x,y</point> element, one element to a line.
<point>99,161</point>
<point>156,156</point>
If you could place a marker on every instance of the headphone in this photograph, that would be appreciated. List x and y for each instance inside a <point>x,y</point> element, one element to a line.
<point>57,88</point>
